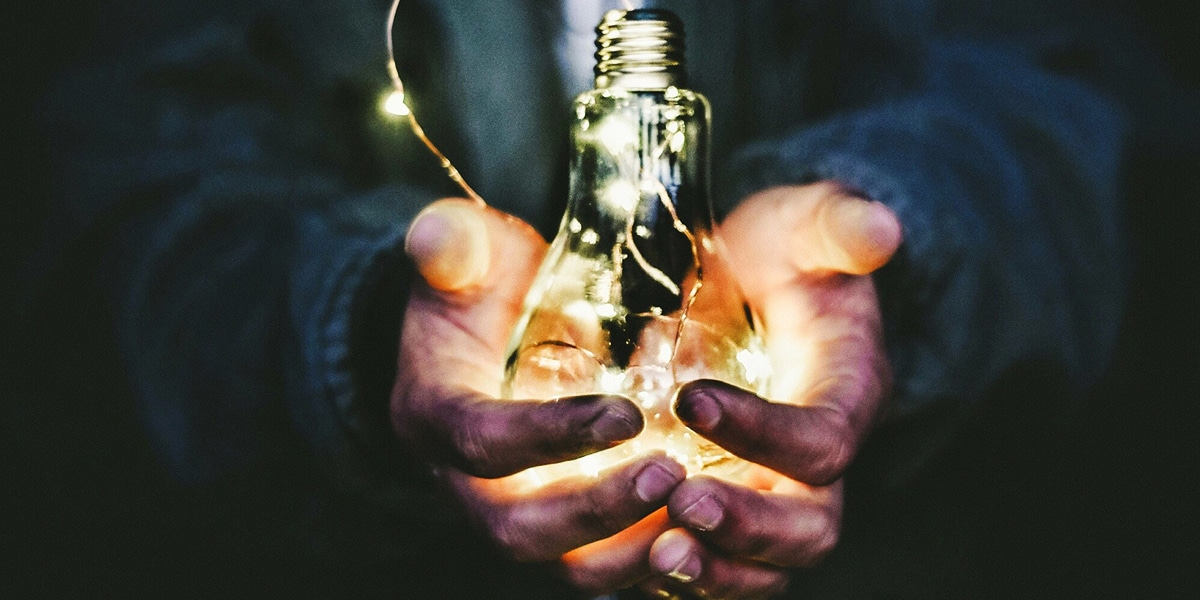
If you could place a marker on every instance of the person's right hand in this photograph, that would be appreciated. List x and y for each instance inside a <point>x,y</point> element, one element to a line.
<point>477,265</point>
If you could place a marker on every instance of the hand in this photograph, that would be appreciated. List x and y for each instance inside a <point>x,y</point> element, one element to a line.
<point>802,255</point>
<point>477,265</point>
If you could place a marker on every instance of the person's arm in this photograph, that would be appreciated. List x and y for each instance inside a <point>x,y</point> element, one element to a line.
<point>996,143</point>
<point>237,244</point>
<point>256,272</point>
<point>235,181</point>
<point>1004,175</point>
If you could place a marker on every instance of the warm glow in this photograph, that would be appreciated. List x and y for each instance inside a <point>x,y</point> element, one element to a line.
<point>591,465</point>
<point>612,382</point>
<point>756,364</point>
<point>621,196</point>
<point>616,135</point>
<point>394,104</point>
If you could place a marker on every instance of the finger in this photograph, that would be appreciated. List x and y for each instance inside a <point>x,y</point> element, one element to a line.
<point>681,557</point>
<point>822,228</point>
<point>492,438</point>
<point>852,235</point>
<point>461,328</point>
<point>616,562</point>
<point>449,244</point>
<point>793,525</point>
<point>813,444</point>
<point>545,523</point>
<point>830,373</point>
<point>453,241</point>
<point>453,346</point>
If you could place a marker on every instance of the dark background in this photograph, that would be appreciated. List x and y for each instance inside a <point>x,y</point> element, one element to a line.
<point>1099,504</point>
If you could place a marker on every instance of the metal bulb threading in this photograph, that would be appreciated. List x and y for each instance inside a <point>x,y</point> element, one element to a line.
<point>641,49</point>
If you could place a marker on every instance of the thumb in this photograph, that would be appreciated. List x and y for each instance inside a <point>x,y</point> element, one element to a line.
<point>449,243</point>
<point>478,263</point>
<point>820,227</point>
<point>853,235</point>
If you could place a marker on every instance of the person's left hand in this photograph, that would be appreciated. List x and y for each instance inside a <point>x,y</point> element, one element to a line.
<point>803,256</point>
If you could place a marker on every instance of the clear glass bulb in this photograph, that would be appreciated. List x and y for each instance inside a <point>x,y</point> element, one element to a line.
<point>634,297</point>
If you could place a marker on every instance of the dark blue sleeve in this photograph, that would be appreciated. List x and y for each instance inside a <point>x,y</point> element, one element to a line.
<point>251,253</point>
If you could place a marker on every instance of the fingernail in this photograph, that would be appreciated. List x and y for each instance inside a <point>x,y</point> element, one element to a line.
<point>704,514</point>
<point>687,565</point>
<point>699,410</point>
<point>654,483</point>
<point>613,426</point>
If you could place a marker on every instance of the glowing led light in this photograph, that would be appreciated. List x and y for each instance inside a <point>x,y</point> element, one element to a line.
<point>606,311</point>
<point>622,196</point>
<point>612,381</point>
<point>601,289</point>
<point>666,351</point>
<point>677,141</point>
<point>579,310</point>
<point>616,135</point>
<point>394,104</point>
<point>590,237</point>
<point>575,226</point>
<point>756,365</point>
<point>647,400</point>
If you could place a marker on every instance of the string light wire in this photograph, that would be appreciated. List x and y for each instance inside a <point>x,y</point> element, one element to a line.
<point>406,111</point>
<point>398,105</point>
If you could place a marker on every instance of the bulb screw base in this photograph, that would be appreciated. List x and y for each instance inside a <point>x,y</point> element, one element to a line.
<point>640,49</point>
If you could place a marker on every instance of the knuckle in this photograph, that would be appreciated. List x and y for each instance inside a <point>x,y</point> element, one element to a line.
<point>473,435</point>
<point>831,462</point>
<point>473,450</point>
<point>600,515</point>
<point>512,538</point>
<point>759,542</point>
<point>833,453</point>
<point>825,536</point>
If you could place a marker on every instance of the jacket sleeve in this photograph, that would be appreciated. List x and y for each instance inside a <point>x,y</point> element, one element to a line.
<point>1004,171</point>
<point>242,190</point>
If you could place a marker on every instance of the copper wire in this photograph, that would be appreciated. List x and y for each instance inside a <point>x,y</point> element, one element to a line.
<point>398,84</point>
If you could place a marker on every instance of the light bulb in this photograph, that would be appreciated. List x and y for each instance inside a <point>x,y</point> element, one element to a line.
<point>634,297</point>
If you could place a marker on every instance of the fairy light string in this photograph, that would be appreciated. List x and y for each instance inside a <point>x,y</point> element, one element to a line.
<point>398,105</point>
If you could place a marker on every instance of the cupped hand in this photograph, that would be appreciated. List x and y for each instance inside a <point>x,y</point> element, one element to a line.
<point>476,265</point>
<point>803,256</point>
